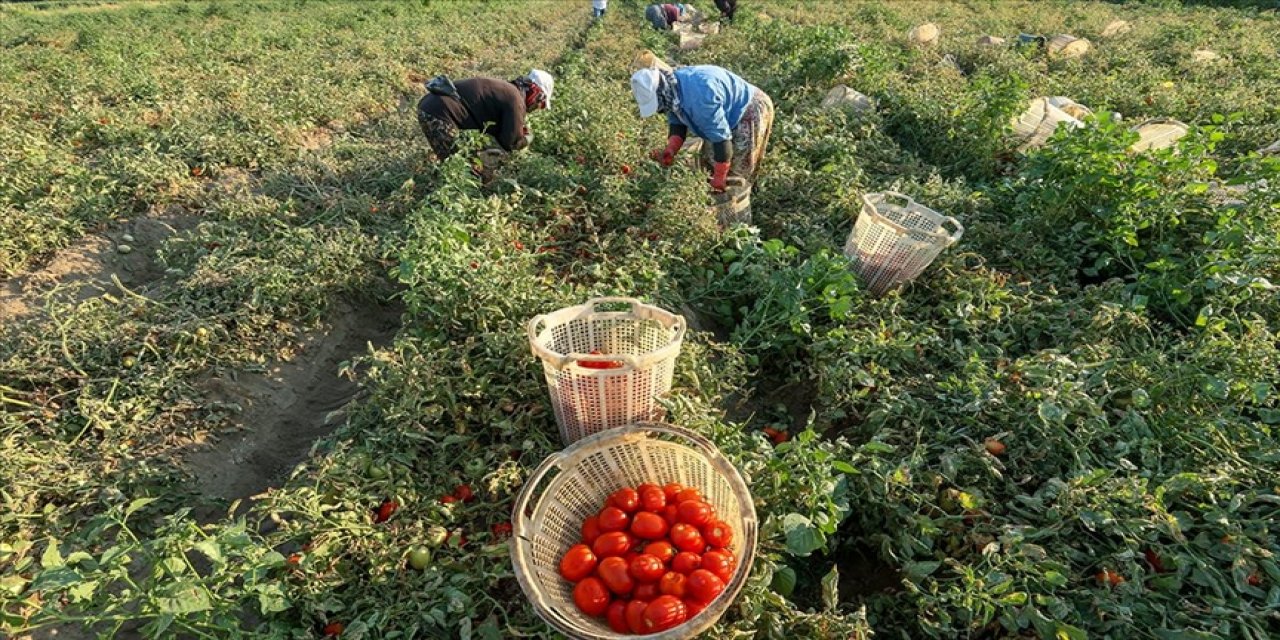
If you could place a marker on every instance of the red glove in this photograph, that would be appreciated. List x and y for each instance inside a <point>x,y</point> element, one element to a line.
<point>668,156</point>
<point>720,177</point>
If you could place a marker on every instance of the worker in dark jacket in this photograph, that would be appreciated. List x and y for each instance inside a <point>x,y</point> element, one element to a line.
<point>727,8</point>
<point>496,107</point>
<point>662,16</point>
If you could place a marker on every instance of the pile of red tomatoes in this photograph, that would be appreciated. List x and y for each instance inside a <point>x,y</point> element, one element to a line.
<point>653,558</point>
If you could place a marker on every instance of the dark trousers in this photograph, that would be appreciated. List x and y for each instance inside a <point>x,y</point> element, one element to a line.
<point>727,7</point>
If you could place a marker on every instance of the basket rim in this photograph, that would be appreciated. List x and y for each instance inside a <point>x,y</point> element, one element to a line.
<point>639,311</point>
<point>520,544</point>
<point>869,209</point>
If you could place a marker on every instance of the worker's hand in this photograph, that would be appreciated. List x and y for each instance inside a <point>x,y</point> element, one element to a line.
<point>720,177</point>
<point>667,156</point>
<point>663,157</point>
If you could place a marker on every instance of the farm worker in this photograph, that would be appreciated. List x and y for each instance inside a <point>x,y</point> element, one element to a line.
<point>662,16</point>
<point>598,7</point>
<point>727,8</point>
<point>732,116</point>
<point>496,107</point>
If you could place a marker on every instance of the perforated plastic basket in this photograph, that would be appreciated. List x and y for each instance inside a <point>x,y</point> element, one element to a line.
<point>895,239</point>
<point>1158,133</point>
<point>643,341</point>
<point>1042,117</point>
<point>549,511</point>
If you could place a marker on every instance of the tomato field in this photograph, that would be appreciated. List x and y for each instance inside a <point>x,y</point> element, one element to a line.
<point>264,372</point>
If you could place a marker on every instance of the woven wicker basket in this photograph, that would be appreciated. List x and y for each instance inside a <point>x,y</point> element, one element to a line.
<point>643,341</point>
<point>734,205</point>
<point>547,519</point>
<point>895,239</point>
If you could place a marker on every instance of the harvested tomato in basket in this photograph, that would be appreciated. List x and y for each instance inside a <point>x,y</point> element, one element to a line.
<point>599,364</point>
<point>648,565</point>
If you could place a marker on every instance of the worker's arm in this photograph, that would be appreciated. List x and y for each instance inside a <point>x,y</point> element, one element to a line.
<point>511,131</point>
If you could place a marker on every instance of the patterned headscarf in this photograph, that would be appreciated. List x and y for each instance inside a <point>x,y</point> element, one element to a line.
<point>668,92</point>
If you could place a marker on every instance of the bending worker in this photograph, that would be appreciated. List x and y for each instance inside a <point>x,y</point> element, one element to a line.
<point>496,107</point>
<point>733,117</point>
<point>662,16</point>
<point>727,8</point>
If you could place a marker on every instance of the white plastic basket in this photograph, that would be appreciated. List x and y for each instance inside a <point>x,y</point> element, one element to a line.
<point>1158,133</point>
<point>1065,47</point>
<point>644,340</point>
<point>547,520</point>
<point>1042,117</point>
<point>895,239</point>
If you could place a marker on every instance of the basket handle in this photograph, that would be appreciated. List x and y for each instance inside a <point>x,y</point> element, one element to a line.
<point>518,517</point>
<point>520,521</point>
<point>886,195</point>
<point>954,237</point>
<point>703,443</point>
<point>594,302</point>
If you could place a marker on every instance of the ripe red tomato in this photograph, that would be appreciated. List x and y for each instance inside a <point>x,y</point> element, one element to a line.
<point>652,498</point>
<point>334,629</point>
<point>720,563</point>
<point>578,562</point>
<point>704,586</point>
<point>591,529</point>
<point>662,549</point>
<point>464,493</point>
<point>665,612</point>
<point>447,499</point>
<point>616,614</point>
<point>673,584</point>
<point>614,543</point>
<point>649,526</point>
<point>613,519</point>
<point>626,499</point>
<point>694,607</point>
<point>386,510</point>
<point>635,615</point>
<point>672,490</point>
<point>718,534</point>
<point>501,529</point>
<point>696,513</point>
<point>686,537</point>
<point>646,591</point>
<point>646,568</point>
<point>626,169</point>
<point>671,514</point>
<point>688,493</point>
<point>685,562</point>
<point>629,556</point>
<point>592,597</point>
<point>613,572</point>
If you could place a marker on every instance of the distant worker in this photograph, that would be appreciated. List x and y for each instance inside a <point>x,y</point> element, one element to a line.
<point>491,105</point>
<point>727,8</point>
<point>598,7</point>
<point>662,16</point>
<point>732,116</point>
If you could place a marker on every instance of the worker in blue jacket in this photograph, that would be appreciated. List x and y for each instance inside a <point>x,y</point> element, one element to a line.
<point>733,117</point>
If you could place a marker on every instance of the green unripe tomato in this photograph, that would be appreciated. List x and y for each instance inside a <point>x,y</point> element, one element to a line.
<point>436,535</point>
<point>420,558</point>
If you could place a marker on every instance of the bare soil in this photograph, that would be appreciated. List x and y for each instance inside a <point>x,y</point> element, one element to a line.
<point>85,269</point>
<point>287,409</point>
